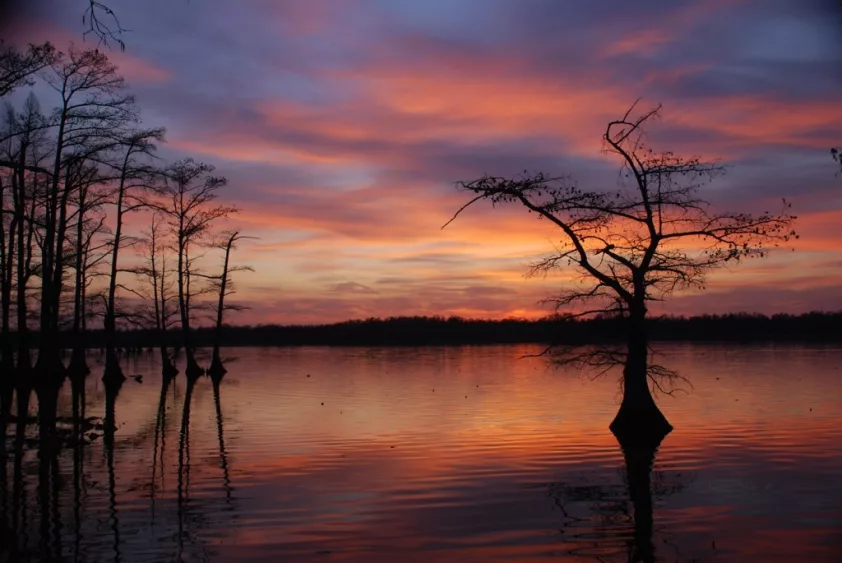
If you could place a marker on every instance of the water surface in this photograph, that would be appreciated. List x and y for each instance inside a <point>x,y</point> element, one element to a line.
<point>442,454</point>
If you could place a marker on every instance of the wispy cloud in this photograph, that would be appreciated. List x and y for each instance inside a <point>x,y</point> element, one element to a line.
<point>344,125</point>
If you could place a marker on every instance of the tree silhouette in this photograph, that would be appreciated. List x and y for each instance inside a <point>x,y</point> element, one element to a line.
<point>25,150</point>
<point>191,210</point>
<point>134,175</point>
<point>225,288</point>
<point>638,243</point>
<point>92,104</point>
<point>90,222</point>
<point>156,287</point>
<point>17,68</point>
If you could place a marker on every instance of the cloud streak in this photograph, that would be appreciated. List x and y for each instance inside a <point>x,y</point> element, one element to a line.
<point>344,125</point>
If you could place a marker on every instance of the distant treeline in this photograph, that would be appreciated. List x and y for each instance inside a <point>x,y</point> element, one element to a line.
<point>410,331</point>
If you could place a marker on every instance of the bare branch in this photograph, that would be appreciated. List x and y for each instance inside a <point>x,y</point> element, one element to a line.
<point>102,23</point>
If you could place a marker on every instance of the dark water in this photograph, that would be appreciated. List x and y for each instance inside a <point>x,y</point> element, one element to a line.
<point>442,454</point>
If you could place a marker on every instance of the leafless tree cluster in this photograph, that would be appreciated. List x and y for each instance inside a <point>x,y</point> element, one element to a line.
<point>652,235</point>
<point>69,179</point>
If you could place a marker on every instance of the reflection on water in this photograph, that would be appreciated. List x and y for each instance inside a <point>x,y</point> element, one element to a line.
<point>434,454</point>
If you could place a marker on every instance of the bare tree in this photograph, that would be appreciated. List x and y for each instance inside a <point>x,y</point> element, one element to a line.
<point>27,155</point>
<point>92,105</point>
<point>87,176</point>
<point>638,243</point>
<point>21,152</point>
<point>57,172</point>
<point>156,287</point>
<point>134,178</point>
<point>8,228</point>
<point>88,249</point>
<point>17,68</point>
<point>191,210</point>
<point>225,288</point>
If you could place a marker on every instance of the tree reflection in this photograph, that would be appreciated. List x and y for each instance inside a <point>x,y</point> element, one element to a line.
<point>58,502</point>
<point>608,528</point>
<point>112,390</point>
<point>19,517</point>
<point>183,487</point>
<point>160,439</point>
<point>193,517</point>
<point>223,455</point>
<point>13,520</point>
<point>47,391</point>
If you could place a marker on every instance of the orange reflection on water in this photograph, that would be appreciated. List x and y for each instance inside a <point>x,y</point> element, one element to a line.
<point>469,454</point>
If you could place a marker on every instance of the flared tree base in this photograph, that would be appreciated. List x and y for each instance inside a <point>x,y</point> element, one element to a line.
<point>644,426</point>
<point>169,371</point>
<point>193,371</point>
<point>113,372</point>
<point>78,368</point>
<point>112,387</point>
<point>48,371</point>
<point>217,370</point>
<point>113,375</point>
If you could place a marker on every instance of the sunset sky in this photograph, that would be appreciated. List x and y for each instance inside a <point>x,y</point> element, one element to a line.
<point>342,126</point>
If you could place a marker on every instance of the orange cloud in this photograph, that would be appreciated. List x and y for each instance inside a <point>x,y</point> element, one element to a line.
<point>372,156</point>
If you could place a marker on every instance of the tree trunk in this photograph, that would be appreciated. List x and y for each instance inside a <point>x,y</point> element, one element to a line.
<point>217,370</point>
<point>639,418</point>
<point>112,364</point>
<point>7,258</point>
<point>192,371</point>
<point>78,365</point>
<point>48,353</point>
<point>168,370</point>
<point>24,367</point>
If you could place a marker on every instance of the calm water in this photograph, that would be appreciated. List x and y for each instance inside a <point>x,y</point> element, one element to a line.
<point>444,454</point>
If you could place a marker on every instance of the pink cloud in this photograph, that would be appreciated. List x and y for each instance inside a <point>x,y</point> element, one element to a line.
<point>133,68</point>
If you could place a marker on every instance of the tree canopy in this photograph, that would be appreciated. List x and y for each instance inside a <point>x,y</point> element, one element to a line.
<point>651,235</point>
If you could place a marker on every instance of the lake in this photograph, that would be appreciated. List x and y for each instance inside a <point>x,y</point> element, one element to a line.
<point>442,454</point>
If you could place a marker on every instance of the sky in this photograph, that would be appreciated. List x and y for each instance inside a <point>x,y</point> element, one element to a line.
<point>342,127</point>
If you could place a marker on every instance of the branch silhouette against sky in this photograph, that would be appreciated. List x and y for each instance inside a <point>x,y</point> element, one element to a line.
<point>356,119</point>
